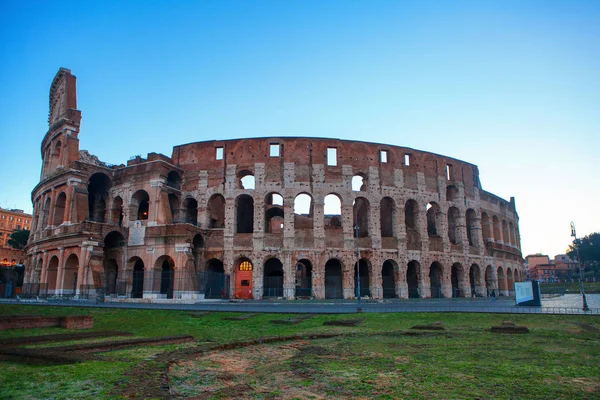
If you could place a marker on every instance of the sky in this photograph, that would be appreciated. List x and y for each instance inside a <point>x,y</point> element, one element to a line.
<point>511,86</point>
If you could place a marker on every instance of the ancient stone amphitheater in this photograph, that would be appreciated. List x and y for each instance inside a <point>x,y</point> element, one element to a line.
<point>287,217</point>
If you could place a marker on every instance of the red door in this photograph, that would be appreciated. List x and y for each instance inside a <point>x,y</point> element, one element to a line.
<point>243,281</point>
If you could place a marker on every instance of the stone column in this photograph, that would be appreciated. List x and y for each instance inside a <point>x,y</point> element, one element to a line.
<point>288,222</point>
<point>289,276</point>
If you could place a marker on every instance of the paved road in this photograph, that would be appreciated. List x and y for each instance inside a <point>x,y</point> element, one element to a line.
<point>330,307</point>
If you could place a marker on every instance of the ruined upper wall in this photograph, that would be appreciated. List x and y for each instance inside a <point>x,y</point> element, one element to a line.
<point>306,153</point>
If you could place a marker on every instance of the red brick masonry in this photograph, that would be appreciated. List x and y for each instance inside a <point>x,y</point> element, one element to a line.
<point>39,321</point>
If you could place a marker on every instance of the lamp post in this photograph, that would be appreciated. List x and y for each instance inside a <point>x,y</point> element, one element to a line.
<point>576,242</point>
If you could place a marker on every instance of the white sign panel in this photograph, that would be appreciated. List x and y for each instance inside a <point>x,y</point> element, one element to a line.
<point>523,291</point>
<point>137,234</point>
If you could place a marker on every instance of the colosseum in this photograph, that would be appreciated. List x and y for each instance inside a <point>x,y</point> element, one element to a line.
<point>283,217</point>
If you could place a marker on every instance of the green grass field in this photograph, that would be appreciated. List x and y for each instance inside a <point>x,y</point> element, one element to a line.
<point>559,358</point>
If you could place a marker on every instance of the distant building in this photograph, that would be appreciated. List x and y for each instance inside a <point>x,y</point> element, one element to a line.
<point>542,268</point>
<point>10,221</point>
<point>11,260</point>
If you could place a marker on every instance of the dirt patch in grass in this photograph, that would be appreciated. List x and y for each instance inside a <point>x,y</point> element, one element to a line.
<point>62,337</point>
<point>587,327</point>
<point>434,326</point>
<point>199,314</point>
<point>79,352</point>
<point>509,327</point>
<point>344,322</point>
<point>240,317</point>
<point>291,321</point>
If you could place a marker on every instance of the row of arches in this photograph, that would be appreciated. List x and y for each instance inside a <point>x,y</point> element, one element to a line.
<point>334,282</point>
<point>449,224</point>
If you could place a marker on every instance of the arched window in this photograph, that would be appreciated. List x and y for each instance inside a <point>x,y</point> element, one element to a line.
<point>359,183</point>
<point>433,219</point>
<point>361,217</point>
<point>333,211</point>
<point>216,211</point>
<point>453,218</point>
<point>98,188</point>
<point>140,202</point>
<point>387,221</point>
<point>59,209</point>
<point>471,220</point>
<point>244,214</point>
<point>303,211</point>
<point>191,211</point>
<point>174,180</point>
<point>247,180</point>
<point>274,216</point>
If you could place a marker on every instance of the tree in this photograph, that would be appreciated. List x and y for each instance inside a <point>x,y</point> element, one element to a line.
<point>18,239</point>
<point>589,250</point>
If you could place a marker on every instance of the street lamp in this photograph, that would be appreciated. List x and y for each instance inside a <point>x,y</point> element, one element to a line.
<point>577,242</point>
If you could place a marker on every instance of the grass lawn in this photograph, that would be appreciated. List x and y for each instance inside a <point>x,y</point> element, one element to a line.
<point>559,358</point>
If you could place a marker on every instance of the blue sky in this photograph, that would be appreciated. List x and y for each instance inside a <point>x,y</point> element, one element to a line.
<point>512,86</point>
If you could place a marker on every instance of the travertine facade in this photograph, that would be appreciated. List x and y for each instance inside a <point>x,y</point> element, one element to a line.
<point>264,217</point>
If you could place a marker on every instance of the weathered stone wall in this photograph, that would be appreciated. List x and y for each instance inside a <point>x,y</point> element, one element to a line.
<point>182,213</point>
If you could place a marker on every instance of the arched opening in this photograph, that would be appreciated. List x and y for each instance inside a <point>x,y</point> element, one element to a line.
<point>45,213</point>
<point>485,227</point>
<point>216,211</point>
<point>451,193</point>
<point>388,281</point>
<point>57,154</point>
<point>174,207</point>
<point>191,211</point>
<point>433,222</point>
<point>111,271</point>
<point>304,278</point>
<point>333,279</point>
<point>333,212</point>
<point>244,214</point>
<point>513,236</point>
<point>113,251</point>
<point>501,282</point>
<point>303,212</point>
<point>140,204</point>
<point>51,275</point>
<point>510,282</point>
<point>471,226</point>
<point>505,235</point>
<point>474,279</point>
<point>116,213</point>
<point>489,280</point>
<point>387,217</point>
<point>165,267</point>
<point>197,247</point>
<point>274,216</point>
<point>363,275</point>
<point>243,279</point>
<point>246,180</point>
<point>215,280</point>
<point>137,285</point>
<point>98,188</point>
<point>361,217</point>
<point>59,209</point>
<point>411,221</point>
<point>359,183</point>
<point>497,233</point>
<point>453,218</point>
<point>273,278</point>
<point>436,279</point>
<point>174,180</point>
<point>70,275</point>
<point>413,277</point>
<point>457,275</point>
